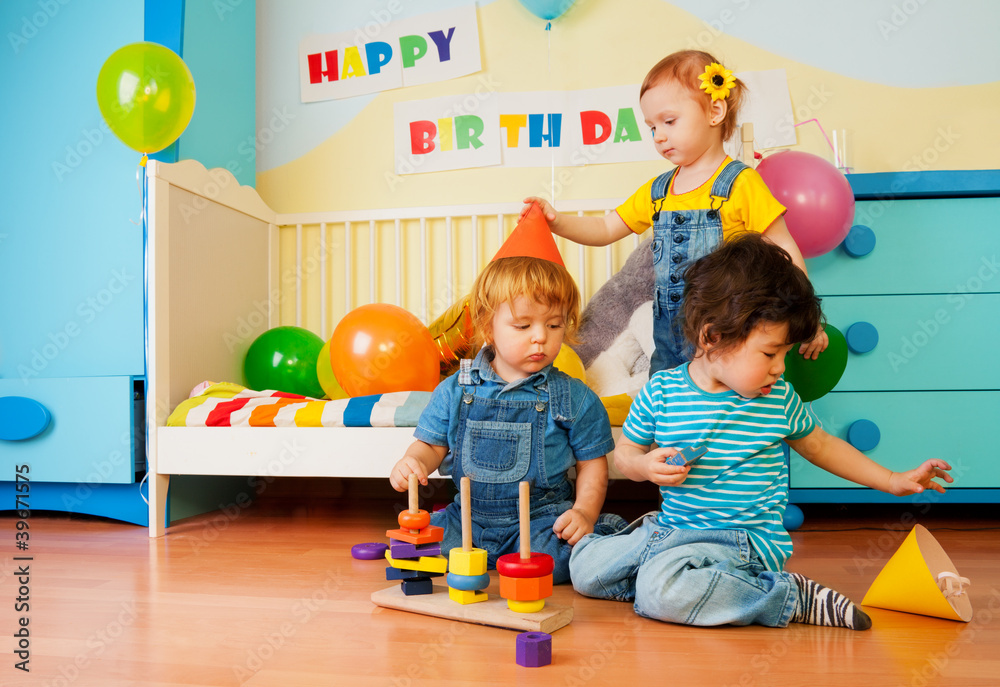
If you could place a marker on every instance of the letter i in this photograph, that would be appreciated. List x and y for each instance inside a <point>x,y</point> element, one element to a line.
<point>445,133</point>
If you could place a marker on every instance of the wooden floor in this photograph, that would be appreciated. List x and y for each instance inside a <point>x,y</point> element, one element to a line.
<point>269,595</point>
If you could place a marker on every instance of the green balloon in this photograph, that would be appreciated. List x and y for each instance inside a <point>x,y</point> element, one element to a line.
<point>146,95</point>
<point>284,359</point>
<point>815,378</point>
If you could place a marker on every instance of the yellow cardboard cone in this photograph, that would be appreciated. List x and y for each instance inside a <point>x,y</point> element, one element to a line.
<point>909,582</point>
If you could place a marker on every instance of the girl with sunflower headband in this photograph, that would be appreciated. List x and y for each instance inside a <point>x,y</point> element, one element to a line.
<point>690,103</point>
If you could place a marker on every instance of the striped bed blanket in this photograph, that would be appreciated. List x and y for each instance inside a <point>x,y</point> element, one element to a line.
<point>230,405</point>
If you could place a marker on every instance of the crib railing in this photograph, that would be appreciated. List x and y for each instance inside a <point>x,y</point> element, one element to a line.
<point>422,259</point>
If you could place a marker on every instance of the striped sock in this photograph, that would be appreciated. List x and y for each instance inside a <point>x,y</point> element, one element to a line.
<point>819,605</point>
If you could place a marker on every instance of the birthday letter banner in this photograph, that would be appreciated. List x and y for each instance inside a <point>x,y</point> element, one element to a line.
<point>559,128</point>
<point>407,52</point>
<point>531,129</point>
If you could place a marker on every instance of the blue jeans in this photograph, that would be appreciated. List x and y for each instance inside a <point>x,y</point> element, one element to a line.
<point>686,576</point>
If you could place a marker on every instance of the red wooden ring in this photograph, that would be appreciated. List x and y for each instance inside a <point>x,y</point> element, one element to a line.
<point>414,521</point>
<point>512,565</point>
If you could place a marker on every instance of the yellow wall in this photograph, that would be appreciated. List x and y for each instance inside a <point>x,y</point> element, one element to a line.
<point>597,44</point>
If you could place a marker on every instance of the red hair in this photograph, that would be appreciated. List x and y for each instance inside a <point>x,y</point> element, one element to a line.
<point>685,67</point>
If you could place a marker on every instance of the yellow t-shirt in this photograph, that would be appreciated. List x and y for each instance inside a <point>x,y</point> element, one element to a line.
<point>751,206</point>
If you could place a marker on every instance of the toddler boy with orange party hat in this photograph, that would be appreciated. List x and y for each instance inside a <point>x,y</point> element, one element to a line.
<point>510,416</point>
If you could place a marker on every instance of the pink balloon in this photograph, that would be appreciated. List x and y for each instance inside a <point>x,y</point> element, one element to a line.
<point>820,202</point>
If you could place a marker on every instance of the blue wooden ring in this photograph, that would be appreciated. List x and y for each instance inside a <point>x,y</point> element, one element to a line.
<point>468,583</point>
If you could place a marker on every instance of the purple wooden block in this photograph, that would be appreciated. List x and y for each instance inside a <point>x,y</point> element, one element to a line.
<point>402,549</point>
<point>534,649</point>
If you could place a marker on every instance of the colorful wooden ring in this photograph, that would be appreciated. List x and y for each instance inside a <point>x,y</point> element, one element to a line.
<point>414,521</point>
<point>512,565</point>
<point>526,606</point>
<point>468,583</point>
<point>368,551</point>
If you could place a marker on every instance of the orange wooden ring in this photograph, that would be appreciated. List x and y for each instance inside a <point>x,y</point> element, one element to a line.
<point>414,521</point>
<point>512,565</point>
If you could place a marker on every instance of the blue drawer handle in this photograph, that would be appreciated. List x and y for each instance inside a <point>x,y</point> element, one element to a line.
<point>862,337</point>
<point>22,418</point>
<point>863,435</point>
<point>860,241</point>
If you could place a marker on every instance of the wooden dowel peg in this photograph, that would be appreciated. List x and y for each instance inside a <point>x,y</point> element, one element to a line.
<point>465,487</point>
<point>524,510</point>
<point>414,519</point>
<point>413,485</point>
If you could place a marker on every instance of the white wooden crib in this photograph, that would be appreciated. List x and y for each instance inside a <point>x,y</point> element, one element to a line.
<point>223,267</point>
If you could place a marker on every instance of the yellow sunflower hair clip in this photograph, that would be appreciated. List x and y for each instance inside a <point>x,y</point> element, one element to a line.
<point>716,80</point>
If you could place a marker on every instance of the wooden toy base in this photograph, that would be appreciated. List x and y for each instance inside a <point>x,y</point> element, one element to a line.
<point>493,612</point>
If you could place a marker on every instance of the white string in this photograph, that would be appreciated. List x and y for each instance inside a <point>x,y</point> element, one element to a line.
<point>947,581</point>
<point>552,150</point>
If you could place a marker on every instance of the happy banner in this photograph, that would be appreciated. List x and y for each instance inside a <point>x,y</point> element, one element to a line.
<point>406,52</point>
<point>559,128</point>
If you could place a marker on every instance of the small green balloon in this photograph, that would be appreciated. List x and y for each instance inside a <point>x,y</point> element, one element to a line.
<point>815,378</point>
<point>146,95</point>
<point>284,359</point>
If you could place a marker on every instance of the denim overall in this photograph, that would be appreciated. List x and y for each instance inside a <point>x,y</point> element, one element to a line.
<point>679,238</point>
<point>501,442</point>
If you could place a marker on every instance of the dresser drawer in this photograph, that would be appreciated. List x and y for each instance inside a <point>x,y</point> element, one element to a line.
<point>925,343</point>
<point>89,437</point>
<point>922,246</point>
<point>956,426</point>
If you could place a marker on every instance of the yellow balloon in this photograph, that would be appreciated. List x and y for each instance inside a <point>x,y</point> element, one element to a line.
<point>327,380</point>
<point>569,362</point>
<point>146,94</point>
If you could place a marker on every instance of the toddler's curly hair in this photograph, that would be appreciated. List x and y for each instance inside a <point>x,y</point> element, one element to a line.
<point>745,282</point>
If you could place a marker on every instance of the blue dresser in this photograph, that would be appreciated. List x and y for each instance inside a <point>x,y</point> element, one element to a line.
<point>916,290</point>
<point>71,251</point>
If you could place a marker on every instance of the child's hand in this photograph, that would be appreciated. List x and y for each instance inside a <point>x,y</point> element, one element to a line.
<point>810,350</point>
<point>916,481</point>
<point>547,210</point>
<point>572,525</point>
<point>399,478</point>
<point>659,472</point>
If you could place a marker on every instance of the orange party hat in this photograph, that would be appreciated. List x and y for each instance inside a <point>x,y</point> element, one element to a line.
<point>531,238</point>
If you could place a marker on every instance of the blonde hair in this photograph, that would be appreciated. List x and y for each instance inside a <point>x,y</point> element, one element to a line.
<point>504,280</point>
<point>685,67</point>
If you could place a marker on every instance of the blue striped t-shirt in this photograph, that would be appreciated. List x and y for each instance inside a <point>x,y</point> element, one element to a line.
<point>742,482</point>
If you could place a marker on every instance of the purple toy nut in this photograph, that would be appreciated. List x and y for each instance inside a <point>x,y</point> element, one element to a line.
<point>534,649</point>
<point>402,549</point>
<point>369,551</point>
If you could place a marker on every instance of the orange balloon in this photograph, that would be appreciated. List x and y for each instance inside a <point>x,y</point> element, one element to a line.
<point>381,348</point>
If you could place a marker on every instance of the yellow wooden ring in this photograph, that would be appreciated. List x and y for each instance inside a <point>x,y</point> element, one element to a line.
<point>414,521</point>
<point>526,606</point>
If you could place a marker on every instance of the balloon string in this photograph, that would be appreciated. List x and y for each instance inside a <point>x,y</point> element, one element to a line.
<point>143,170</point>
<point>552,150</point>
<point>816,121</point>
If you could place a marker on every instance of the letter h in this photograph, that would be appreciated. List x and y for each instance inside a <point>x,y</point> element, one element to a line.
<point>316,72</point>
